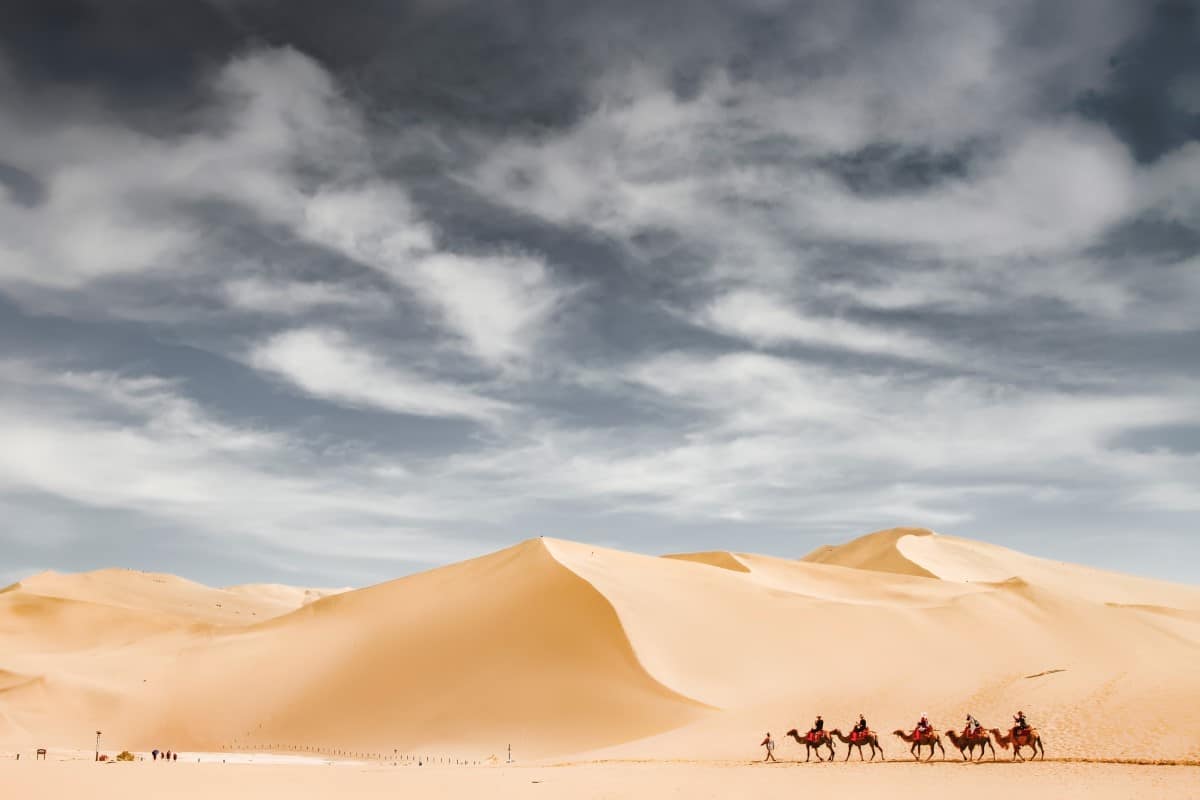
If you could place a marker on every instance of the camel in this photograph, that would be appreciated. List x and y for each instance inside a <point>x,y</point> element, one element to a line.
<point>870,740</point>
<point>967,743</point>
<point>823,740</point>
<point>932,739</point>
<point>1030,738</point>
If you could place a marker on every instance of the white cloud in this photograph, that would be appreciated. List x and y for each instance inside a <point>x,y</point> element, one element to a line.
<point>328,364</point>
<point>494,304</point>
<point>497,304</point>
<point>112,195</point>
<point>165,457</point>
<point>1056,190</point>
<point>284,144</point>
<point>296,297</point>
<point>760,318</point>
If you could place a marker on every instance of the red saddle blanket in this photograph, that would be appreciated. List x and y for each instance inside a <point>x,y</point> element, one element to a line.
<point>816,736</point>
<point>858,736</point>
<point>921,737</point>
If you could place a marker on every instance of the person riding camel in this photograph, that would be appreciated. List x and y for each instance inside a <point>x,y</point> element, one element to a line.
<point>1022,724</point>
<point>973,726</point>
<point>923,727</point>
<point>860,727</point>
<point>817,728</point>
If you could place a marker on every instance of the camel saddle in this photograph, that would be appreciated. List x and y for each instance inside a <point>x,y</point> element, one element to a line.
<point>921,737</point>
<point>858,736</point>
<point>816,736</point>
<point>1023,737</point>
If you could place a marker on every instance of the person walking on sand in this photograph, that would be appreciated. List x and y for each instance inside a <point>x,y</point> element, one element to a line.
<point>769,743</point>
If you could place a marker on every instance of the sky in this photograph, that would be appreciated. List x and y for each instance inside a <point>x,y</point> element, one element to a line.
<point>332,293</point>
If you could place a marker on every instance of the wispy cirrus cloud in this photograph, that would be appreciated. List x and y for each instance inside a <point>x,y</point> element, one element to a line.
<point>329,364</point>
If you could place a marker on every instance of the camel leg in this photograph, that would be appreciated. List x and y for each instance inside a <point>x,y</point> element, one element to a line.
<point>939,744</point>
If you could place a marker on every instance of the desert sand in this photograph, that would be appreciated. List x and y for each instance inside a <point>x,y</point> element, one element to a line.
<point>647,675</point>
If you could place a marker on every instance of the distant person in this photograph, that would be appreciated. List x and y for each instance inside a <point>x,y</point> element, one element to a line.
<point>973,726</point>
<point>154,754</point>
<point>769,743</point>
<point>174,756</point>
<point>1022,724</point>
<point>860,727</point>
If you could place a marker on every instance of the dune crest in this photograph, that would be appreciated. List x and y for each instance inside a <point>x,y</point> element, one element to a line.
<point>878,551</point>
<point>722,559</point>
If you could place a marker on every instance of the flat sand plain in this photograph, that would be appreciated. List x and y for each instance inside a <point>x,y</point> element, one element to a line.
<point>896,780</point>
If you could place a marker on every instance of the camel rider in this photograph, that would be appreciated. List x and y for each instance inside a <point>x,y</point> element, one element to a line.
<point>818,726</point>
<point>923,727</point>
<point>1022,724</point>
<point>973,726</point>
<point>860,727</point>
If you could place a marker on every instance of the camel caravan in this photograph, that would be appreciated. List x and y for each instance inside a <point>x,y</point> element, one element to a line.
<point>973,736</point>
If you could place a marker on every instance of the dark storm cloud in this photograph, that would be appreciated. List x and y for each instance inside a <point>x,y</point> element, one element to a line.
<point>346,291</point>
<point>1152,95</point>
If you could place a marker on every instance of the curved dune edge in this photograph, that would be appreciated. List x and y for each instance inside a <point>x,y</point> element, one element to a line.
<point>879,551</point>
<point>722,559</point>
<point>512,647</point>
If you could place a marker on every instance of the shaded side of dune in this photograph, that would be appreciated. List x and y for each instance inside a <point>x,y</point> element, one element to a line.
<point>508,648</point>
<point>876,551</point>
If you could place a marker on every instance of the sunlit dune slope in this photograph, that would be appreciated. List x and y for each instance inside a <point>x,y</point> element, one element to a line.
<point>508,648</point>
<point>168,595</point>
<point>714,558</point>
<point>785,640</point>
<point>78,650</point>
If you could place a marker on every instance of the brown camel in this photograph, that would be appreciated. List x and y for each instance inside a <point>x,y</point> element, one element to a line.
<point>823,739</point>
<point>870,739</point>
<point>932,739</point>
<point>1029,738</point>
<point>967,743</point>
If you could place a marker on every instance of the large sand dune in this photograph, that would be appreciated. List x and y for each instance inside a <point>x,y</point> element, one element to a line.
<point>564,649</point>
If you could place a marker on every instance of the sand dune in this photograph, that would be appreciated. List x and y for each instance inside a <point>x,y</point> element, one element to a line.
<point>562,648</point>
<point>467,658</point>
<point>877,551</point>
